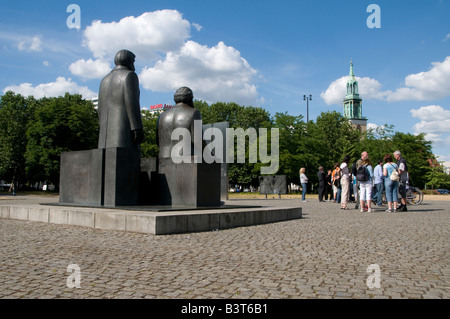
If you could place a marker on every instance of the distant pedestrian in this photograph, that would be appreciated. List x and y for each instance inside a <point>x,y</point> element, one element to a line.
<point>304,183</point>
<point>378,183</point>
<point>403,172</point>
<point>345,182</point>
<point>322,181</point>
<point>390,186</point>
<point>365,184</point>
<point>328,188</point>
<point>336,182</point>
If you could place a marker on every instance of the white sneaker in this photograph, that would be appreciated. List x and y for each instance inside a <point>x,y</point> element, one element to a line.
<point>369,210</point>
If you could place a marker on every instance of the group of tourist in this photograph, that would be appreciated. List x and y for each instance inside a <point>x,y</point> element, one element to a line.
<point>367,183</point>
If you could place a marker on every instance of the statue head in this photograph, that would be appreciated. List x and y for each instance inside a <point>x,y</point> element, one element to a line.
<point>184,95</point>
<point>125,58</point>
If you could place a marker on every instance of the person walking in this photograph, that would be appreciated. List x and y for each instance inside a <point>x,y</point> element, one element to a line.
<point>322,181</point>
<point>328,190</point>
<point>390,186</point>
<point>345,182</point>
<point>304,183</point>
<point>403,172</point>
<point>365,177</point>
<point>379,183</point>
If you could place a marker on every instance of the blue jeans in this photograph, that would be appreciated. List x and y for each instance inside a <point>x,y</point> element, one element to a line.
<point>391,190</point>
<point>378,196</point>
<point>304,186</point>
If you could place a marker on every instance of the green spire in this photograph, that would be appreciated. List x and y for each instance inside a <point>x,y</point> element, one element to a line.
<point>351,76</point>
<point>352,84</point>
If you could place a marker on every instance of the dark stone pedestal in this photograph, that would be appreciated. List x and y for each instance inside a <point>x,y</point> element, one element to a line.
<point>189,184</point>
<point>81,177</point>
<point>101,177</point>
<point>122,168</point>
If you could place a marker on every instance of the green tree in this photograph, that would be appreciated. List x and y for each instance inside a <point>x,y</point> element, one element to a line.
<point>417,151</point>
<point>15,112</point>
<point>149,148</point>
<point>237,116</point>
<point>61,124</point>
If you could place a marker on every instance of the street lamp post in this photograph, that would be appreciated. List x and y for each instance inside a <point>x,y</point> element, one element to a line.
<point>307,98</point>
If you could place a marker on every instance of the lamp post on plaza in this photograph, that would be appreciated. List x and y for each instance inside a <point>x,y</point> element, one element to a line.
<point>307,98</point>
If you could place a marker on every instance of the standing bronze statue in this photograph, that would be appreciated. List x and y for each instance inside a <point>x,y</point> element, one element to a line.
<point>118,105</point>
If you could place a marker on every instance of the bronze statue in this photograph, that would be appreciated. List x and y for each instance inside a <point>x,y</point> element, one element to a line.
<point>118,105</point>
<point>182,115</point>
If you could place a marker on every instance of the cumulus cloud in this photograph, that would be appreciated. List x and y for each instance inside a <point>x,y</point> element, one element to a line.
<point>52,89</point>
<point>214,74</point>
<point>90,69</point>
<point>146,35</point>
<point>430,85</point>
<point>335,93</point>
<point>434,119</point>
<point>435,123</point>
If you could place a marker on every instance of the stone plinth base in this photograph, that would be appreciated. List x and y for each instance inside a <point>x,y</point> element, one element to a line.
<point>151,222</point>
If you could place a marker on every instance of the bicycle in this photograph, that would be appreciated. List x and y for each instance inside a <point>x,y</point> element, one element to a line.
<point>414,196</point>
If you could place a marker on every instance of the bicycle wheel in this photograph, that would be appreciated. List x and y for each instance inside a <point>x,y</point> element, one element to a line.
<point>414,196</point>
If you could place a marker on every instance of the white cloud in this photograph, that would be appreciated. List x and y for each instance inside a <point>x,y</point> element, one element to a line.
<point>446,37</point>
<point>146,36</point>
<point>431,113</point>
<point>33,44</point>
<point>45,63</point>
<point>214,74</point>
<point>335,93</point>
<point>90,69</point>
<point>434,120</point>
<point>160,41</point>
<point>429,85</point>
<point>52,89</point>
<point>435,123</point>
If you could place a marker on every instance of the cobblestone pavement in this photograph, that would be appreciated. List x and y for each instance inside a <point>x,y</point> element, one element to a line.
<point>324,255</point>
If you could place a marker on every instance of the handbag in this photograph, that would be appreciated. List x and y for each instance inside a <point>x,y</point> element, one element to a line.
<point>394,175</point>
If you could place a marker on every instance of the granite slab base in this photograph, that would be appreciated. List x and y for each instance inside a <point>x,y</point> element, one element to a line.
<point>152,220</point>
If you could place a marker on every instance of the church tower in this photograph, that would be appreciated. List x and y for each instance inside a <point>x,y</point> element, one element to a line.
<point>353,103</point>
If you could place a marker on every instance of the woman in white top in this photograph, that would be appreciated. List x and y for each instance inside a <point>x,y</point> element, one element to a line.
<point>345,182</point>
<point>304,182</point>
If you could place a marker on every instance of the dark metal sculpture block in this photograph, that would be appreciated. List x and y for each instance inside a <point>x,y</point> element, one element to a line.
<point>122,169</point>
<point>273,184</point>
<point>81,177</point>
<point>189,184</point>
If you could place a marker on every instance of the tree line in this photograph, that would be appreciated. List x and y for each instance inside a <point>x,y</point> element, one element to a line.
<point>34,133</point>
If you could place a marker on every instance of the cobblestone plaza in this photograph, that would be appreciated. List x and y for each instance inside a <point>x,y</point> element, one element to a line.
<point>326,254</point>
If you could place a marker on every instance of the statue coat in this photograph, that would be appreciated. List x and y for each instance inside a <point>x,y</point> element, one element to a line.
<point>118,109</point>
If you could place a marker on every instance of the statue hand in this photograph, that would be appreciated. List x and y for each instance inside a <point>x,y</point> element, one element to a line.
<point>138,136</point>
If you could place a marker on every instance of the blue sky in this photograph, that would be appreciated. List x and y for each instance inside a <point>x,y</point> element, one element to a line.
<point>263,53</point>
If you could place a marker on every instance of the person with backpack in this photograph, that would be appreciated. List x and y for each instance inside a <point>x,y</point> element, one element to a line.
<point>390,183</point>
<point>355,166</point>
<point>364,176</point>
